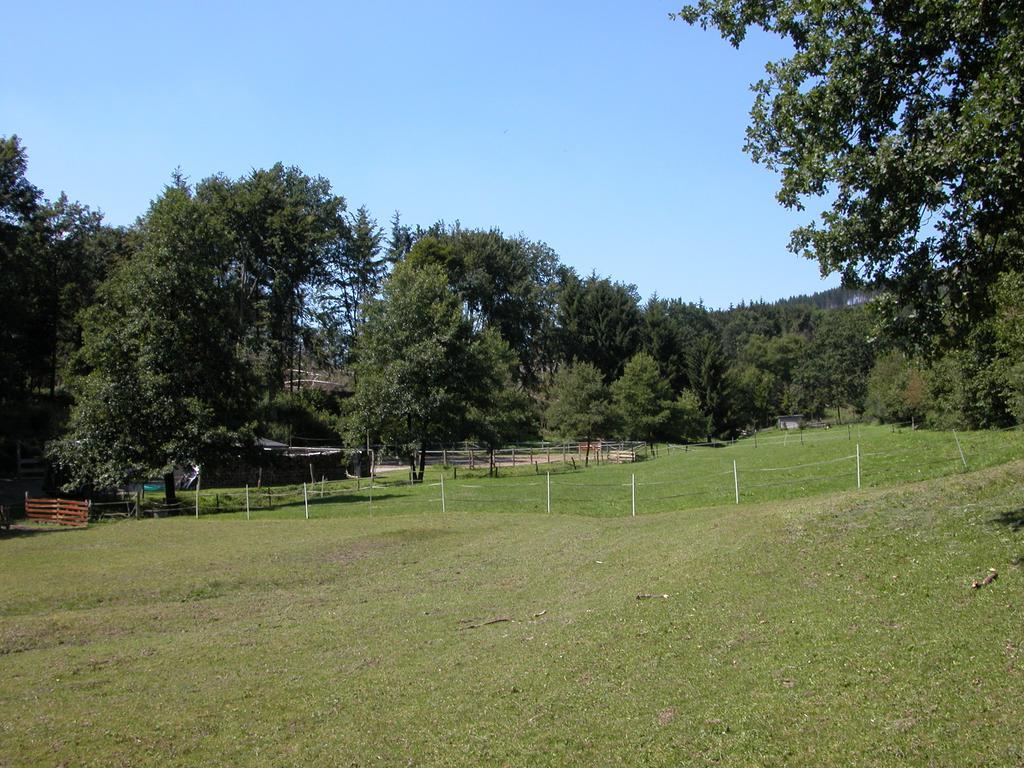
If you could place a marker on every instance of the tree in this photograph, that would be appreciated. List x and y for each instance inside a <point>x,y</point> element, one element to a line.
<point>20,232</point>
<point>507,284</point>
<point>355,272</point>
<point>905,118</point>
<point>755,394</point>
<point>67,264</point>
<point>709,379</point>
<point>671,327</point>
<point>420,368</point>
<point>164,380</point>
<point>643,399</point>
<point>895,389</point>
<point>580,404</point>
<point>52,257</point>
<point>508,412</point>
<point>689,423</point>
<point>279,225</point>
<point>839,357</point>
<point>400,241</point>
<point>600,322</point>
<point>1008,330</point>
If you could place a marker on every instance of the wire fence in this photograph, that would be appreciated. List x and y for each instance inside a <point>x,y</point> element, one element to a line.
<point>584,493</point>
<point>732,479</point>
<point>712,474</point>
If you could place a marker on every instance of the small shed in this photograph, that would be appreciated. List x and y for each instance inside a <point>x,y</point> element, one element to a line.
<point>793,421</point>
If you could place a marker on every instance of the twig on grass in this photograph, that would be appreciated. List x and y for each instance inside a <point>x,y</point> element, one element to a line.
<point>496,620</point>
<point>643,596</point>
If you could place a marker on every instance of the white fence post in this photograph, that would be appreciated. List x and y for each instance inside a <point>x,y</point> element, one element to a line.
<point>246,501</point>
<point>549,493</point>
<point>962,458</point>
<point>632,482</point>
<point>858,466</point>
<point>443,507</point>
<point>305,500</point>
<point>736,480</point>
<point>198,478</point>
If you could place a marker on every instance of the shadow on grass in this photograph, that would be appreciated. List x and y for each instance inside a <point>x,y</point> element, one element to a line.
<point>1012,519</point>
<point>24,530</point>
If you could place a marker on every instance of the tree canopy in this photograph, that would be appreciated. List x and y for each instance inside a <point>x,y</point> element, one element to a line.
<point>423,374</point>
<point>182,337</point>
<point>904,118</point>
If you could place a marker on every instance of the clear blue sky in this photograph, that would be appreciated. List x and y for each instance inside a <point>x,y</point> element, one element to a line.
<point>601,128</point>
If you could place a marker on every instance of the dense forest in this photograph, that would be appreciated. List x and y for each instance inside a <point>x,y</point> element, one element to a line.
<point>265,306</point>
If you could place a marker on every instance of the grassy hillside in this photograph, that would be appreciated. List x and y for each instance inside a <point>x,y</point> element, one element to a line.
<point>832,630</point>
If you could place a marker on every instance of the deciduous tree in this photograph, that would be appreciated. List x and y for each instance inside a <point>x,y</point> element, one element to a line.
<point>904,119</point>
<point>420,366</point>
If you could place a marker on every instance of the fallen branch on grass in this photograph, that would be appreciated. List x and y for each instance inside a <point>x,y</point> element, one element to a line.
<point>992,576</point>
<point>642,596</point>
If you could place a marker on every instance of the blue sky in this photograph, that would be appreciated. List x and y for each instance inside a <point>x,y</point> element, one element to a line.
<point>603,129</point>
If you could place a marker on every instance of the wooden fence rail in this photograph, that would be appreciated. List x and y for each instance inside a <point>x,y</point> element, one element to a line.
<point>58,511</point>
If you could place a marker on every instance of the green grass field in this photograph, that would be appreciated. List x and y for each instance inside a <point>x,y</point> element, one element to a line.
<point>777,466</point>
<point>813,624</point>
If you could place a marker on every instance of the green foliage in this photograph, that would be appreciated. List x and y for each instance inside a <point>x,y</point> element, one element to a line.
<point>905,118</point>
<point>600,323</point>
<point>754,395</point>
<point>19,221</point>
<point>1008,330</point>
<point>643,399</point>
<point>688,421</point>
<point>163,379</point>
<point>52,257</point>
<point>355,270</point>
<point>896,390</point>
<point>834,371</point>
<point>309,413</point>
<point>965,391</point>
<point>278,228</point>
<point>709,379</point>
<point>671,327</point>
<point>580,403</point>
<point>508,413</point>
<point>507,284</point>
<point>422,374</point>
<point>67,266</point>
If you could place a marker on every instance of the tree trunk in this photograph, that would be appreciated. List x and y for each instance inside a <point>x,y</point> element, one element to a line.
<point>423,460</point>
<point>169,497</point>
<point>586,460</point>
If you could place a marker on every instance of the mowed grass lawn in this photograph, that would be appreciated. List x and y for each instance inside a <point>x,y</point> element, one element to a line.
<point>836,629</point>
